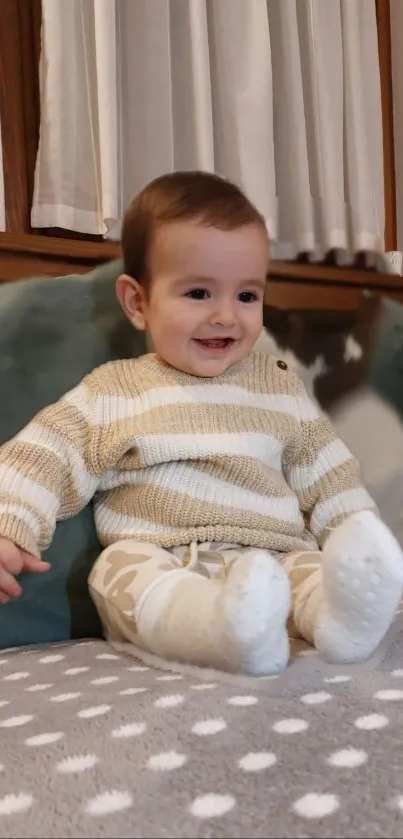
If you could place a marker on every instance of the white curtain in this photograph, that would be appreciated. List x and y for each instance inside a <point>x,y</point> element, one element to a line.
<point>280,96</point>
<point>2,198</point>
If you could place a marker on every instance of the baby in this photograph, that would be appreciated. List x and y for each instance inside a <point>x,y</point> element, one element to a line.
<point>223,499</point>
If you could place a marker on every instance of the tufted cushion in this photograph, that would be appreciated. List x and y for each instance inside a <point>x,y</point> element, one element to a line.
<point>52,333</point>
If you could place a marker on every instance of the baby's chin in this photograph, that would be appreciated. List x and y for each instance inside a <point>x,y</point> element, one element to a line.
<point>204,362</point>
<point>208,369</point>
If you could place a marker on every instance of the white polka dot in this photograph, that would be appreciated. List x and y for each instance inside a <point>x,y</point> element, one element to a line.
<point>64,697</point>
<point>169,677</point>
<point>316,805</point>
<point>105,680</point>
<point>76,763</point>
<point>15,722</point>
<point>371,722</point>
<point>15,804</point>
<point>51,659</point>
<point>206,727</point>
<point>242,701</point>
<point>211,806</point>
<point>397,674</point>
<point>137,668</point>
<point>107,657</point>
<point>337,680</point>
<point>39,687</point>
<point>95,711</point>
<point>74,671</point>
<point>204,686</point>
<point>3,661</point>
<point>44,739</point>
<point>348,758</point>
<point>130,729</point>
<point>4,702</point>
<point>399,802</point>
<point>166,761</point>
<point>169,701</point>
<point>109,802</point>
<point>389,695</point>
<point>16,677</point>
<point>290,726</point>
<point>132,691</point>
<point>257,761</point>
<point>316,698</point>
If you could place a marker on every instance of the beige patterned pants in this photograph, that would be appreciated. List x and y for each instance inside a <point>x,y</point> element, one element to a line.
<point>126,569</point>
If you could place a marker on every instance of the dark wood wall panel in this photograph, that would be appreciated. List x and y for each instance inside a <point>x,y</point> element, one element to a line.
<point>20,27</point>
<point>385,63</point>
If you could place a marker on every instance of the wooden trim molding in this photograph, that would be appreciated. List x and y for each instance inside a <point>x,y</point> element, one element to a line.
<point>68,248</point>
<point>26,255</point>
<point>298,286</point>
<point>294,272</point>
<point>94,253</point>
<point>290,285</point>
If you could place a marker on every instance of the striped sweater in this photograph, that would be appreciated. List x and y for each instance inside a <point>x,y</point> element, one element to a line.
<point>168,458</point>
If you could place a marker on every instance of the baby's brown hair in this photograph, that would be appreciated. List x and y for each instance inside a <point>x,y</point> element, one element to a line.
<point>181,196</point>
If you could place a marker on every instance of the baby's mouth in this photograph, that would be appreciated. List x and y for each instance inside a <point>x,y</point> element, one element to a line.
<point>214,343</point>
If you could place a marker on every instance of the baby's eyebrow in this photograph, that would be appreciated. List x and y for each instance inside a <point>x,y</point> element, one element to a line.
<point>196,278</point>
<point>203,280</point>
<point>257,283</point>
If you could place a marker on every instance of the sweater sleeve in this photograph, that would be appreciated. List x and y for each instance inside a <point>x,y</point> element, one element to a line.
<point>322,472</point>
<point>49,471</point>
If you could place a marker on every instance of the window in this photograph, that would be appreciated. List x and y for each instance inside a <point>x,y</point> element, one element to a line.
<point>20,27</point>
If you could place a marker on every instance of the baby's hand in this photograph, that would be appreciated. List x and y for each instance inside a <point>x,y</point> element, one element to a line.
<point>13,561</point>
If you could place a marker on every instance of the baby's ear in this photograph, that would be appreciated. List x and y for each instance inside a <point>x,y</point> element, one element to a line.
<point>131,297</point>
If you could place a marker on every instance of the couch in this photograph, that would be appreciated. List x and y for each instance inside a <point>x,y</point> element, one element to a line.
<point>94,743</point>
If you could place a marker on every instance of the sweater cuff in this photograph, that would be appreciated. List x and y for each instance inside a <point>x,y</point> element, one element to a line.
<point>15,529</point>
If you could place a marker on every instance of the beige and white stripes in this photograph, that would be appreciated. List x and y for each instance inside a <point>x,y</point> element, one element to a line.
<point>245,458</point>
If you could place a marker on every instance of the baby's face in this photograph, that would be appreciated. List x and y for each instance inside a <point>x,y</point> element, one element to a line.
<point>205,304</point>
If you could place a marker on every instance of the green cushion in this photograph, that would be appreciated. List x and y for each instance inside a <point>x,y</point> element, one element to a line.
<point>52,333</point>
<point>385,375</point>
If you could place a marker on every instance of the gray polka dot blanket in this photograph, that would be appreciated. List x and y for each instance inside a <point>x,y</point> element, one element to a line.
<point>96,744</point>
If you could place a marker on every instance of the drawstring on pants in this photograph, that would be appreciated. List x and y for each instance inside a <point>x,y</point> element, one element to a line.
<point>192,563</point>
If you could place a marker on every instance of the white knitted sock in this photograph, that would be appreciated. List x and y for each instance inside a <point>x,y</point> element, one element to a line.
<point>238,625</point>
<point>355,598</point>
<point>257,600</point>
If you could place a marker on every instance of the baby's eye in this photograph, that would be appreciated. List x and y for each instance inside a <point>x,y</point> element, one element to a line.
<point>247,297</point>
<point>198,294</point>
